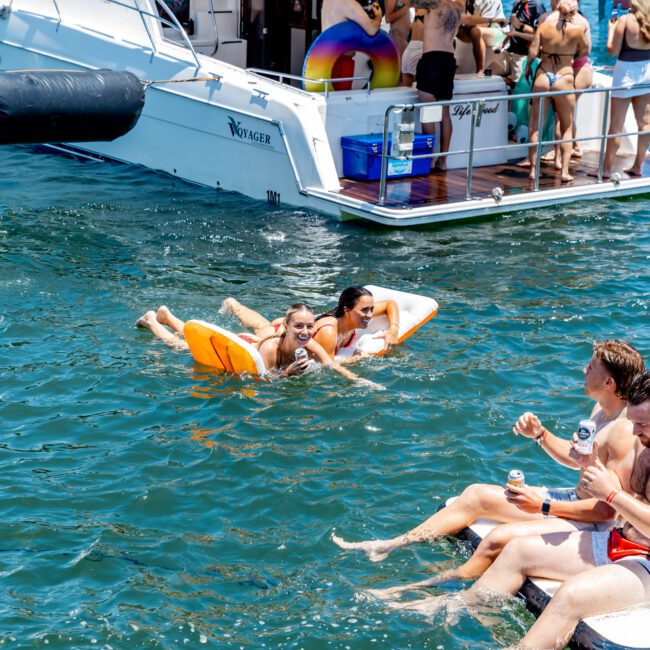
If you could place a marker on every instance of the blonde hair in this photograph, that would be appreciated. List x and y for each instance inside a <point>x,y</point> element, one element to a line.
<point>641,10</point>
<point>295,308</point>
<point>567,6</point>
<point>621,361</point>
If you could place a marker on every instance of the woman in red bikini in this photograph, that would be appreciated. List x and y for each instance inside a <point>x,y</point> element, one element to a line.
<point>335,329</point>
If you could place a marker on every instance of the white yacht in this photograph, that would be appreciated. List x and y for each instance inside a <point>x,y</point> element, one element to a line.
<point>224,107</point>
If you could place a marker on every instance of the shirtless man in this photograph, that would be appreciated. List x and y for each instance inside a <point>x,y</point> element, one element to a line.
<point>334,12</point>
<point>525,509</point>
<point>434,75</point>
<point>338,11</point>
<point>596,580</point>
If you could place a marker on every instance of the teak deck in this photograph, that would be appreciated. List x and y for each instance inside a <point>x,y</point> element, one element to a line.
<point>451,186</point>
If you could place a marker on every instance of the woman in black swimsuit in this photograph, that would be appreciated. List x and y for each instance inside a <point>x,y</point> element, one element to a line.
<point>628,38</point>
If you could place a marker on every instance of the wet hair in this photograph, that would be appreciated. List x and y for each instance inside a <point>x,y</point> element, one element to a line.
<point>622,362</point>
<point>641,11</point>
<point>347,300</point>
<point>295,308</point>
<point>639,390</point>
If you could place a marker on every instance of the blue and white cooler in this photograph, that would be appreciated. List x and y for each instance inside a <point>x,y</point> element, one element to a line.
<point>362,157</point>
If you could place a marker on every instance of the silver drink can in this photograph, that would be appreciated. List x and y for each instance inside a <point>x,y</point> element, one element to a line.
<point>586,435</point>
<point>301,354</point>
<point>516,477</point>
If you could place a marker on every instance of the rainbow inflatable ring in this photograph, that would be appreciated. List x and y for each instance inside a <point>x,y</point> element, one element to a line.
<point>343,39</point>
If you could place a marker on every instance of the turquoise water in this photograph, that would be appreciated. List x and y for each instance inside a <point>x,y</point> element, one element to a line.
<point>149,503</point>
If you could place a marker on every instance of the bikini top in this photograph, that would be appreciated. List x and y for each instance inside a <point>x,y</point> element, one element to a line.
<point>556,57</point>
<point>342,345</point>
<point>628,53</point>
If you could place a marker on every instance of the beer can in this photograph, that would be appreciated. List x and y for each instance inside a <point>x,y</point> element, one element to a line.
<point>516,477</point>
<point>586,435</point>
<point>301,354</point>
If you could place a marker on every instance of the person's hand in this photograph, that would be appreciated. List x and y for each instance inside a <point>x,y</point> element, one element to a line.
<point>598,481</point>
<point>368,384</point>
<point>391,337</point>
<point>377,10</point>
<point>502,22</point>
<point>297,367</point>
<point>524,498</point>
<point>528,425</point>
<point>582,460</point>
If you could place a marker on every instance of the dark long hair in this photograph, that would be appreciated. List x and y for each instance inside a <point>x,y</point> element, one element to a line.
<point>349,298</point>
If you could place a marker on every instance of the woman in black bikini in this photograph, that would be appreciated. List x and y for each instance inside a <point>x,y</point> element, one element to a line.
<point>629,40</point>
<point>557,40</point>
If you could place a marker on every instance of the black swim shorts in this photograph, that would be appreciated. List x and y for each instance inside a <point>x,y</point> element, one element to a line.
<point>435,74</point>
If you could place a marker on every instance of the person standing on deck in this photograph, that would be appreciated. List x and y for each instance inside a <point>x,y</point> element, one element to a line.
<point>509,61</point>
<point>476,27</point>
<point>340,11</point>
<point>398,17</point>
<point>628,39</point>
<point>434,76</point>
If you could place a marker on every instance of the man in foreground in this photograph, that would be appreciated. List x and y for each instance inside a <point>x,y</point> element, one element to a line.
<point>603,571</point>
<point>534,510</point>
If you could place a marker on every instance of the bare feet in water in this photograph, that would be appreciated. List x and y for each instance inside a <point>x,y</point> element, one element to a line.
<point>163,315</point>
<point>146,320</point>
<point>228,305</point>
<point>390,592</point>
<point>376,550</point>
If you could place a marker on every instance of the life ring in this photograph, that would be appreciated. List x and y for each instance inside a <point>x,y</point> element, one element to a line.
<point>334,46</point>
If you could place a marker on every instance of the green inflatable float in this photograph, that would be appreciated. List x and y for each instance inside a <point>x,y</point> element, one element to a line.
<point>519,111</point>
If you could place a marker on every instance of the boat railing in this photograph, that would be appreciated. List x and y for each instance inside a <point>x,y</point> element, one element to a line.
<point>476,106</point>
<point>170,21</point>
<point>281,76</point>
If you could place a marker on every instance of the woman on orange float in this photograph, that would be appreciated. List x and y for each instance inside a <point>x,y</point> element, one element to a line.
<point>336,329</point>
<point>277,348</point>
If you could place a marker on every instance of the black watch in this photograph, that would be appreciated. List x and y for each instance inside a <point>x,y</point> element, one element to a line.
<point>546,506</point>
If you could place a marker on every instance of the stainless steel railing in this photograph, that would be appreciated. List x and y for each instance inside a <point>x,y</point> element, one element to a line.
<point>284,75</point>
<point>170,21</point>
<point>475,110</point>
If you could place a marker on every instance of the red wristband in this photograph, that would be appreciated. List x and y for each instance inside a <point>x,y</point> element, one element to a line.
<point>610,497</point>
